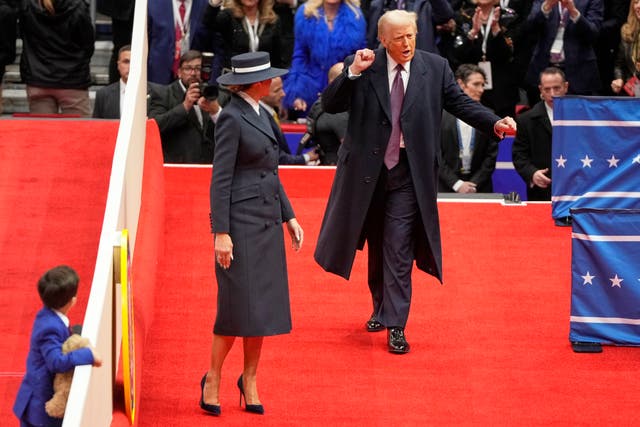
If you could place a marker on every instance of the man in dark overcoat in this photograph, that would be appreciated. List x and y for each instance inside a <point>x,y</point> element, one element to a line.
<point>386,193</point>
<point>531,150</point>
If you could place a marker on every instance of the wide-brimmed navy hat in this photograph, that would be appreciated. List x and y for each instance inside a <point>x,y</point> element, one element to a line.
<point>251,67</point>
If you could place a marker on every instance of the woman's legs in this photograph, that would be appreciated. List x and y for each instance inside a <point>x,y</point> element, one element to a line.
<point>252,348</point>
<point>219,350</point>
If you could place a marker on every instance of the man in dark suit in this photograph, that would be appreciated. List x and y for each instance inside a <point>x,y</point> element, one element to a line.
<point>272,103</point>
<point>163,28</point>
<point>468,156</point>
<point>109,99</point>
<point>185,118</point>
<point>531,151</point>
<point>384,189</point>
<point>566,31</point>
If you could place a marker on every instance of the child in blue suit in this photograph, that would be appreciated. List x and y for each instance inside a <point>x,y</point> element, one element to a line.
<point>57,288</point>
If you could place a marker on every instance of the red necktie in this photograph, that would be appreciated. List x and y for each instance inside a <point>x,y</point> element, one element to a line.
<point>182,10</point>
<point>392,154</point>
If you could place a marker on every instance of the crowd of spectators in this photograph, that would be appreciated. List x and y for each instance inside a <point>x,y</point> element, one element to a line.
<point>594,42</point>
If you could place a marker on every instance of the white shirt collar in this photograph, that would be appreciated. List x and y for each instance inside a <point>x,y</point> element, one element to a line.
<point>254,104</point>
<point>267,107</point>
<point>391,64</point>
<point>62,317</point>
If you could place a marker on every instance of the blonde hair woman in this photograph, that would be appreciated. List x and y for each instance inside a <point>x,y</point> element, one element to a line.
<point>326,32</point>
<point>628,61</point>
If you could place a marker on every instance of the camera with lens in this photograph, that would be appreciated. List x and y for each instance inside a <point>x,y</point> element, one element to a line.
<point>209,91</point>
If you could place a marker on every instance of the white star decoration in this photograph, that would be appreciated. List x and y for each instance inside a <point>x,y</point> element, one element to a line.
<point>561,161</point>
<point>613,162</point>
<point>588,279</point>
<point>586,162</point>
<point>615,281</point>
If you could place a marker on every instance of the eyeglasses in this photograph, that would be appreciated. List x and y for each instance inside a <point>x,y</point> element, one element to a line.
<point>190,69</point>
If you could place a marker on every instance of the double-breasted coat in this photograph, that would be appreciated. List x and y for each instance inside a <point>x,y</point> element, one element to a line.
<point>249,202</point>
<point>431,87</point>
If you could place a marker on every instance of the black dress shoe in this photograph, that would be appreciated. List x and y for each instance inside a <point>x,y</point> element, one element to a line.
<point>397,342</point>
<point>373,325</point>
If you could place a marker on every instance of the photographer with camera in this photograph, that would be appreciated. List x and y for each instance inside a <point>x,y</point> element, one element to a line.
<point>185,111</point>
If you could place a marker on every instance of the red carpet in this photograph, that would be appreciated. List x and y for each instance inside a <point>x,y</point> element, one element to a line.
<point>490,347</point>
<point>54,178</point>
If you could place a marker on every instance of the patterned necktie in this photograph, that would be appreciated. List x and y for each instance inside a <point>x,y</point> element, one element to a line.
<point>182,10</point>
<point>392,154</point>
<point>400,4</point>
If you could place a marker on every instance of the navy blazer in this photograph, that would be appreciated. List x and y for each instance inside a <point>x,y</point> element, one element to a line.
<point>107,103</point>
<point>581,67</point>
<point>162,37</point>
<point>44,360</point>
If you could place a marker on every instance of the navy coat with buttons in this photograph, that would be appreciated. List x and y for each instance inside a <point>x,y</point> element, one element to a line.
<point>431,87</point>
<point>249,202</point>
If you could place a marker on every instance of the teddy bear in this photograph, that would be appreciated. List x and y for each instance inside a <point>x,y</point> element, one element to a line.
<point>56,406</point>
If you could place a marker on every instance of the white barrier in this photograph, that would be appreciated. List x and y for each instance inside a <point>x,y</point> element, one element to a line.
<point>91,396</point>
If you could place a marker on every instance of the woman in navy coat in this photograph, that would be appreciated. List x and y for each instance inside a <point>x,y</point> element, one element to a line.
<point>248,208</point>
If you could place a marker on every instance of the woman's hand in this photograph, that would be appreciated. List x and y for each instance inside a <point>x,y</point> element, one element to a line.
<point>299,104</point>
<point>476,21</point>
<point>296,233</point>
<point>223,249</point>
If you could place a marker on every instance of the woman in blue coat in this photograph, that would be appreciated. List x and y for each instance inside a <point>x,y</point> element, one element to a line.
<point>326,32</point>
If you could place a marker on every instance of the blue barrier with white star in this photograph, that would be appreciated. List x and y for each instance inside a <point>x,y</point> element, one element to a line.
<point>596,153</point>
<point>605,276</point>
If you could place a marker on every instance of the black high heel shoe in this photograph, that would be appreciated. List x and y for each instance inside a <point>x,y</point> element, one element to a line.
<point>256,409</point>
<point>211,409</point>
